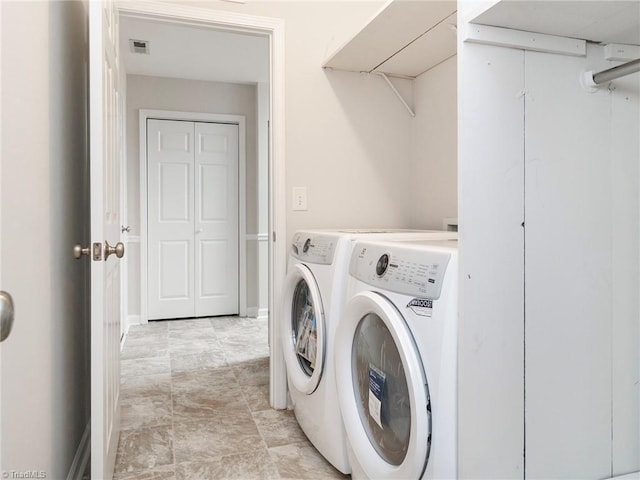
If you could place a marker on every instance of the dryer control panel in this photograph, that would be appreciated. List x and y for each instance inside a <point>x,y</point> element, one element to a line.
<point>412,271</point>
<point>314,248</point>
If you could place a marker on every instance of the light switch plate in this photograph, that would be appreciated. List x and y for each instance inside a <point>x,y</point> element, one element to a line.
<point>300,198</point>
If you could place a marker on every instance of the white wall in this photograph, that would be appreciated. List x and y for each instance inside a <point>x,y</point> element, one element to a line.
<point>190,96</point>
<point>45,373</point>
<point>347,135</point>
<point>434,147</point>
<point>550,228</point>
<point>348,138</point>
<point>159,93</point>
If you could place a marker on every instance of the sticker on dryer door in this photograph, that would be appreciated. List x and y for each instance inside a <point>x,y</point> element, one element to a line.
<point>421,306</point>
<point>376,388</point>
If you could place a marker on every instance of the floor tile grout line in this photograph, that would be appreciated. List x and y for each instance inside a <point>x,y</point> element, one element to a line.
<point>244,388</point>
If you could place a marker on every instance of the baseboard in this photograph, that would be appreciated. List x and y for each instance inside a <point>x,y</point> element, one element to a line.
<point>131,320</point>
<point>128,321</point>
<point>260,313</point>
<point>83,454</point>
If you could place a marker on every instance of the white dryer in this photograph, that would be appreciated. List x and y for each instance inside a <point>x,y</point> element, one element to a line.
<point>396,360</point>
<point>313,300</point>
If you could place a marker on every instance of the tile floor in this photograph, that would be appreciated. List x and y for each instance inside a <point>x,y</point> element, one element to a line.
<point>195,405</point>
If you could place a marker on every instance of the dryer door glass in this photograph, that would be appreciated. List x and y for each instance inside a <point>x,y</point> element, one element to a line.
<point>381,390</point>
<point>304,328</point>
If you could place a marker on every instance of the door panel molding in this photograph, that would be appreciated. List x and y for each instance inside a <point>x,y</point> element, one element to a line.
<point>170,115</point>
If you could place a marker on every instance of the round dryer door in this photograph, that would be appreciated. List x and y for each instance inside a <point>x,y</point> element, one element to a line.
<point>382,388</point>
<point>303,330</point>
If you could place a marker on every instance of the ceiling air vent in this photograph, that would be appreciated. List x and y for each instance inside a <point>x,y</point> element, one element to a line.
<point>139,46</point>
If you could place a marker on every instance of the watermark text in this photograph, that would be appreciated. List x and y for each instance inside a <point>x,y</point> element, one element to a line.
<point>11,474</point>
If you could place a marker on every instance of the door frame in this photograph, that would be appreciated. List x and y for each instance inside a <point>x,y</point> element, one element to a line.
<point>124,215</point>
<point>239,120</point>
<point>273,29</point>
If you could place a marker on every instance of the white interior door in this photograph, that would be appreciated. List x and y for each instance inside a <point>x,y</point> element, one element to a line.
<point>216,238</point>
<point>171,219</point>
<point>192,218</point>
<point>105,227</point>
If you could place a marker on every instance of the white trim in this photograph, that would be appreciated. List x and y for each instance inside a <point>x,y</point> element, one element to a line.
<point>122,156</point>
<point>536,42</point>
<point>257,237</point>
<point>274,29</point>
<point>1,8</point>
<point>277,217</point>
<point>621,53</point>
<point>81,458</point>
<point>133,239</point>
<point>263,313</point>
<point>175,13</point>
<point>239,120</point>
<point>258,313</point>
<point>128,321</point>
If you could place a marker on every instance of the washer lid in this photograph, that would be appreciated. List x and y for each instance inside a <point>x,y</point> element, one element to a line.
<point>382,388</point>
<point>303,329</point>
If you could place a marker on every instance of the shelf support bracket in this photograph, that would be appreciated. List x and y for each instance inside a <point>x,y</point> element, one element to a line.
<point>397,93</point>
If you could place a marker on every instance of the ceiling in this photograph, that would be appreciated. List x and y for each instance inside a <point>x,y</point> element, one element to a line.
<point>194,53</point>
<point>603,21</point>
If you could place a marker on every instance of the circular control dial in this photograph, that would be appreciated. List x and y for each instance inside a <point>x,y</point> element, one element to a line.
<point>307,244</point>
<point>381,266</point>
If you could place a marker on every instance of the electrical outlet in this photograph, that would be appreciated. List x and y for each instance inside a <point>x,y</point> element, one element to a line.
<point>300,198</point>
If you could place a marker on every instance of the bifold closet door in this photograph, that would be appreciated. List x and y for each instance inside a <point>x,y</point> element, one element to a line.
<point>192,219</point>
<point>216,216</point>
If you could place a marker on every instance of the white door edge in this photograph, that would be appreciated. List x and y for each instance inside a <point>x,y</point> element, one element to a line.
<point>274,29</point>
<point>124,219</point>
<point>1,469</point>
<point>239,120</point>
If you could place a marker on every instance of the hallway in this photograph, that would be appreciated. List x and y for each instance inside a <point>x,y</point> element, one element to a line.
<point>195,405</point>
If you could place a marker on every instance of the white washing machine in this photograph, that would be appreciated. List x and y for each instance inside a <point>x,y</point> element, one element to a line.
<point>313,300</point>
<point>396,360</point>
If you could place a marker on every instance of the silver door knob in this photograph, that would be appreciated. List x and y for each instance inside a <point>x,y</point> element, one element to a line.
<point>6,314</point>
<point>118,249</point>
<point>78,251</point>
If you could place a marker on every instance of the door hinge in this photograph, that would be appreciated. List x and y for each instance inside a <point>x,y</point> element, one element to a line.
<point>274,237</point>
<point>97,251</point>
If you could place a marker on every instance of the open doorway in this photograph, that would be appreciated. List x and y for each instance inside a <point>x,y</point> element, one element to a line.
<point>221,66</point>
<point>187,73</point>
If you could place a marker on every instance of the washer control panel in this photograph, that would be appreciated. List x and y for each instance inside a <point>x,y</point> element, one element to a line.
<point>313,248</point>
<point>401,269</point>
